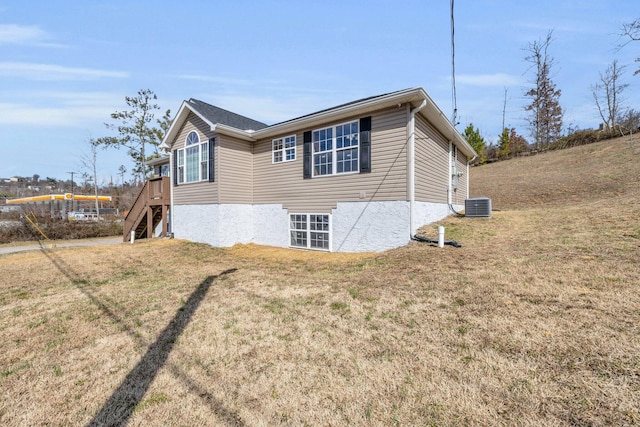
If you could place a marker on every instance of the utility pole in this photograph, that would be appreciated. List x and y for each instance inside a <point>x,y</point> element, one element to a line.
<point>504,109</point>
<point>72,194</point>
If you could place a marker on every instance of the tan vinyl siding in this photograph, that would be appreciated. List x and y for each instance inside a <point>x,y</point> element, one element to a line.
<point>235,170</point>
<point>195,193</point>
<point>432,163</point>
<point>283,182</point>
<point>460,195</point>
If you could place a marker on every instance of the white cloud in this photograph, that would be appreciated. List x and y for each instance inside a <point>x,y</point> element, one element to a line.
<point>50,72</point>
<point>60,109</point>
<point>25,35</point>
<point>497,79</point>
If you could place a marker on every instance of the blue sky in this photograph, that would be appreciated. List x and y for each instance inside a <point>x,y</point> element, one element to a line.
<point>65,66</point>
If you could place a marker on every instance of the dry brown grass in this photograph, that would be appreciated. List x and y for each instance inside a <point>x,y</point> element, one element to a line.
<point>534,321</point>
<point>602,170</point>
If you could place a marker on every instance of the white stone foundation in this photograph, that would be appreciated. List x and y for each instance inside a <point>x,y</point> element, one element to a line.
<point>355,226</point>
<point>370,226</point>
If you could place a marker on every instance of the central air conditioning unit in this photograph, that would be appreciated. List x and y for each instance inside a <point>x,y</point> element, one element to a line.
<point>477,207</point>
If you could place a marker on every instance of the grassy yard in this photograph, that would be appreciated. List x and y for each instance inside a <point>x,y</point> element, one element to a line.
<point>534,321</point>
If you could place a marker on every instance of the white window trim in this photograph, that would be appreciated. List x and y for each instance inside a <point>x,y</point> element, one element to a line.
<point>203,164</point>
<point>308,232</point>
<point>180,166</point>
<point>182,174</point>
<point>334,152</point>
<point>283,150</point>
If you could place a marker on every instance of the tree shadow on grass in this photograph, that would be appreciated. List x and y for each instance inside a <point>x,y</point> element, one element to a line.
<point>117,410</point>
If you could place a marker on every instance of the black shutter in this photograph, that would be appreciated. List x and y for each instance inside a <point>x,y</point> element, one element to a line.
<point>306,155</point>
<point>175,168</point>
<point>365,144</point>
<point>212,158</point>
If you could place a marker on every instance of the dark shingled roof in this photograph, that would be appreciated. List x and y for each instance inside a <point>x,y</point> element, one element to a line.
<point>219,115</point>
<point>340,106</point>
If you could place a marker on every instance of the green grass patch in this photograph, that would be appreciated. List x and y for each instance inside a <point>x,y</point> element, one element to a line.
<point>153,400</point>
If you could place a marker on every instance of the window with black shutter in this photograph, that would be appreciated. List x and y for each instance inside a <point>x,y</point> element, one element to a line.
<point>212,163</point>
<point>306,155</point>
<point>339,149</point>
<point>365,144</point>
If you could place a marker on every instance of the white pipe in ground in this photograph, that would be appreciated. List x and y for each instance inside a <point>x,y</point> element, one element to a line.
<point>440,236</point>
<point>133,236</point>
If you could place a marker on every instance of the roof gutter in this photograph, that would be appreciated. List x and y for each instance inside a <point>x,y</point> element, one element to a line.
<point>316,119</point>
<point>231,131</point>
<point>411,173</point>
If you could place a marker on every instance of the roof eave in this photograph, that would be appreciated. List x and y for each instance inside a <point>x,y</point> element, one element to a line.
<point>179,119</point>
<point>414,96</point>
<point>434,115</point>
<point>396,98</point>
<point>233,132</point>
<point>158,160</point>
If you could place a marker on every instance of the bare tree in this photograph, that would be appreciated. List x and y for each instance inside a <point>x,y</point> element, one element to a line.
<point>90,162</point>
<point>631,30</point>
<point>607,94</point>
<point>546,114</point>
<point>629,121</point>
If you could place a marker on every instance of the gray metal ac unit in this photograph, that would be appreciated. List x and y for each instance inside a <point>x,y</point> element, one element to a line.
<point>477,207</point>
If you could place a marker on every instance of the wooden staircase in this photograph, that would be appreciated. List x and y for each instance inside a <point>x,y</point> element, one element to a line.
<point>149,209</point>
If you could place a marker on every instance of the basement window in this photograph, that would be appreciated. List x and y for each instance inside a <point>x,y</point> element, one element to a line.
<point>310,231</point>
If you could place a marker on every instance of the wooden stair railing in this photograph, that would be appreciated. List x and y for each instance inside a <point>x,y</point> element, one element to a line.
<point>149,209</point>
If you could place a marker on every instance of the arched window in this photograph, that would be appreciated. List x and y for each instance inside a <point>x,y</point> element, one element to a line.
<point>193,156</point>
<point>194,162</point>
<point>192,138</point>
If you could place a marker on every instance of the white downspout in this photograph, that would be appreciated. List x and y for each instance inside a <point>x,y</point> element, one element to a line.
<point>450,184</point>
<point>466,196</point>
<point>412,168</point>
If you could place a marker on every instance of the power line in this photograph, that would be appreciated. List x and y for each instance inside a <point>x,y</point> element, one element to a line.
<point>454,102</point>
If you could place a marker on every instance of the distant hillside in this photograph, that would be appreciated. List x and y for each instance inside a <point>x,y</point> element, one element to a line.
<point>590,172</point>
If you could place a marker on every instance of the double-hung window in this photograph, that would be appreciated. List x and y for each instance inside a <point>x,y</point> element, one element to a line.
<point>310,231</point>
<point>193,161</point>
<point>180,166</point>
<point>284,149</point>
<point>335,149</point>
<point>204,161</point>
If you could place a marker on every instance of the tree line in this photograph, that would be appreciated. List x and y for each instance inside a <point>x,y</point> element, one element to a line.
<point>545,113</point>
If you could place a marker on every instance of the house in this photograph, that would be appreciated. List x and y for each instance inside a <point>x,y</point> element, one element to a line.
<point>361,176</point>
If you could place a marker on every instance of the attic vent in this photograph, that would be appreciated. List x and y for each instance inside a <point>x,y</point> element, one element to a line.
<point>477,207</point>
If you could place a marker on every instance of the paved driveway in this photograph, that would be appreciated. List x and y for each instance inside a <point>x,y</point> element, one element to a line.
<point>19,247</point>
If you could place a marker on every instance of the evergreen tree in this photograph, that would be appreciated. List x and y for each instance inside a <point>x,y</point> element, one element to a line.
<point>503,144</point>
<point>545,118</point>
<point>517,143</point>
<point>472,135</point>
<point>510,143</point>
<point>135,131</point>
